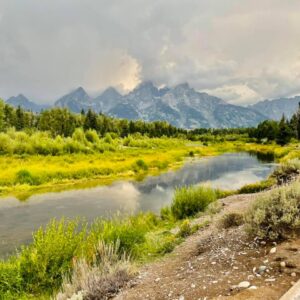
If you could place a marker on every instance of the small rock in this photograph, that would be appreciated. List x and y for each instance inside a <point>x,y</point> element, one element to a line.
<point>273,250</point>
<point>181,297</point>
<point>157,279</point>
<point>282,264</point>
<point>270,280</point>
<point>250,277</point>
<point>244,284</point>
<point>262,269</point>
<point>193,285</point>
<point>252,287</point>
<point>293,274</point>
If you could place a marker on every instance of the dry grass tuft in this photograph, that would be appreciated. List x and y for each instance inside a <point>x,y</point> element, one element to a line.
<point>101,280</point>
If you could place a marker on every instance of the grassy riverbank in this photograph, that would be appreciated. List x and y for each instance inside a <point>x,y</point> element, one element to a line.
<point>40,268</point>
<point>65,254</point>
<point>58,250</point>
<point>22,175</point>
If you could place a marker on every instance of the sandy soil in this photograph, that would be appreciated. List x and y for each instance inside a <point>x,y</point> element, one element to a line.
<point>212,263</point>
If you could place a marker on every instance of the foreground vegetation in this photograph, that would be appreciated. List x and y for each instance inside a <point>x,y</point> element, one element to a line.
<point>98,258</point>
<point>57,148</point>
<point>40,268</point>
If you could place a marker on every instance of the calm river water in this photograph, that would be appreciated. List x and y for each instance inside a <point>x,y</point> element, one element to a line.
<point>19,219</point>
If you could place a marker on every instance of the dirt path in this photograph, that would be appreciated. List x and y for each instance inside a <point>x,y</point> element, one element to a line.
<point>211,264</point>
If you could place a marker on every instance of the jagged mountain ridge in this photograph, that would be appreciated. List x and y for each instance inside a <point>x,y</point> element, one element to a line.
<point>25,103</point>
<point>181,106</point>
<point>274,109</point>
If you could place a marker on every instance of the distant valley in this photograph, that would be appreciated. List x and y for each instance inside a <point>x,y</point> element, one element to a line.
<point>182,106</point>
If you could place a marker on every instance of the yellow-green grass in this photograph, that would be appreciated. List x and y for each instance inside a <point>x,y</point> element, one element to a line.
<point>55,173</point>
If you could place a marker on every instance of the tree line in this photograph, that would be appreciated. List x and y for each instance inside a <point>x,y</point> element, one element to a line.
<point>279,131</point>
<point>62,122</point>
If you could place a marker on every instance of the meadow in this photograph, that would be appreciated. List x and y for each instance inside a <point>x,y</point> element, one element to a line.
<point>82,160</point>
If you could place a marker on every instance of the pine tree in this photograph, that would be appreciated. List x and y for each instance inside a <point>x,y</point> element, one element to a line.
<point>19,118</point>
<point>298,122</point>
<point>285,133</point>
<point>90,121</point>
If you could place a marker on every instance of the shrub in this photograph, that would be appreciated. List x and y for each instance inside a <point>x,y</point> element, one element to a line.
<point>287,171</point>
<point>165,213</point>
<point>25,177</point>
<point>276,214</point>
<point>140,165</point>
<point>108,139</point>
<point>92,136</point>
<point>188,201</point>
<point>166,245</point>
<point>256,187</point>
<point>185,229</point>
<point>103,278</point>
<point>43,263</point>
<point>130,232</point>
<point>231,220</point>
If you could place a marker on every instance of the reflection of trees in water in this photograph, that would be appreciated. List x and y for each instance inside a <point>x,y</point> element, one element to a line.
<point>206,169</point>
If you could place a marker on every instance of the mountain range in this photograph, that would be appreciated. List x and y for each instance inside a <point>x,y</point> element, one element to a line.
<point>182,106</point>
<point>25,103</point>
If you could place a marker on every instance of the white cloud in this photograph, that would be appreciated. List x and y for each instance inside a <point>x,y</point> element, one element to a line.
<point>243,51</point>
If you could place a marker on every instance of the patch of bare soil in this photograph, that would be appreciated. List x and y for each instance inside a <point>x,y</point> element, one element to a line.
<point>220,264</point>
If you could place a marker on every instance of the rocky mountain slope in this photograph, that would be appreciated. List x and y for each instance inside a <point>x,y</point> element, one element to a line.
<point>181,106</point>
<point>25,103</point>
<point>274,109</point>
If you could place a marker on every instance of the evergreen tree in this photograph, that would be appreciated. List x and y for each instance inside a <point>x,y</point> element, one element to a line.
<point>20,118</point>
<point>285,133</point>
<point>90,121</point>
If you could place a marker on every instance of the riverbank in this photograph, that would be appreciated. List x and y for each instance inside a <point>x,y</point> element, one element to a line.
<point>218,263</point>
<point>25,175</point>
<point>38,270</point>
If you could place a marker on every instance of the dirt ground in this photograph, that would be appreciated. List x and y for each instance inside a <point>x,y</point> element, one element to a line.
<point>220,264</point>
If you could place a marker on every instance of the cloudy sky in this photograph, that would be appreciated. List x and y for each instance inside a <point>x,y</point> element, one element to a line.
<point>241,50</point>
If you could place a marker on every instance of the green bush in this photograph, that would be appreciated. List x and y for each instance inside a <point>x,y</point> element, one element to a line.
<point>140,165</point>
<point>276,214</point>
<point>188,201</point>
<point>185,229</point>
<point>25,177</point>
<point>166,213</point>
<point>43,263</point>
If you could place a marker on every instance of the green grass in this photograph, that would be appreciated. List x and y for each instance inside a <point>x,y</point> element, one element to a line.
<point>190,200</point>
<point>257,187</point>
<point>40,268</point>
